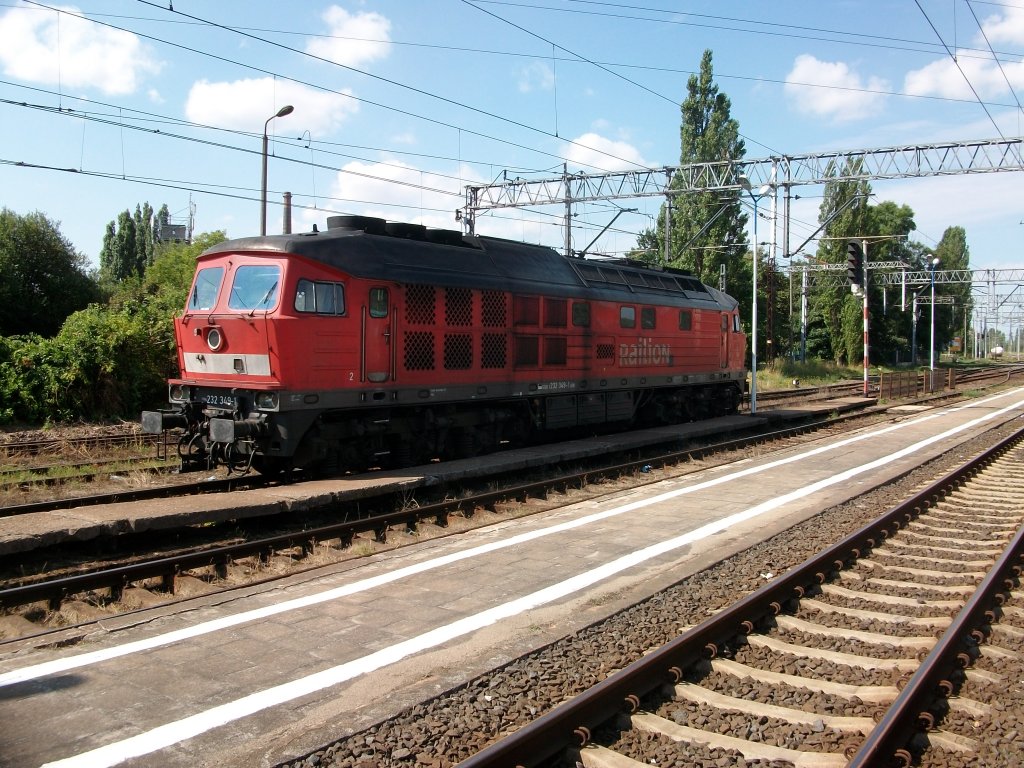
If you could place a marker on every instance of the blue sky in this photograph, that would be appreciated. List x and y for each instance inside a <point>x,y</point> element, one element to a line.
<point>400,103</point>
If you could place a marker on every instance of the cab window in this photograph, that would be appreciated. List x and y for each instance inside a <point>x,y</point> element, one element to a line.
<point>255,287</point>
<point>207,285</point>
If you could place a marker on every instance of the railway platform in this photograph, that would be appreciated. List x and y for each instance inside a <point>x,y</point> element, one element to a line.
<point>24,533</point>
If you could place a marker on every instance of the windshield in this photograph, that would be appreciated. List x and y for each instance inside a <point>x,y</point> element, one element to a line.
<point>204,292</point>
<point>255,287</point>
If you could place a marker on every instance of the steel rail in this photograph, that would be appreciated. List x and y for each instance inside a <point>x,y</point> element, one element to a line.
<point>910,711</point>
<point>570,724</point>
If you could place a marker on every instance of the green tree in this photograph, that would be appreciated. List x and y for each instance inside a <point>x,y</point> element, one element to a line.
<point>845,208</point>
<point>143,237</point>
<point>128,245</point>
<point>889,225</point>
<point>707,228</point>
<point>953,254</point>
<point>44,277</point>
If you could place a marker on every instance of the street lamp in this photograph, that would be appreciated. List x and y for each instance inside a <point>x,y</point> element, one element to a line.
<point>286,110</point>
<point>931,357</point>
<point>745,183</point>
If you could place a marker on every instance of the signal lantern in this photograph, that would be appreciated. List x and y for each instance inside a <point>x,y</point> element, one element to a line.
<point>854,263</point>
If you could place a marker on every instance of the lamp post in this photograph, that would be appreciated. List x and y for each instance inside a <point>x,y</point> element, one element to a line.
<point>931,352</point>
<point>286,110</point>
<point>745,183</point>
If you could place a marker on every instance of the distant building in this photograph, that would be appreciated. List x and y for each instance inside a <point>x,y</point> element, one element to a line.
<point>170,233</point>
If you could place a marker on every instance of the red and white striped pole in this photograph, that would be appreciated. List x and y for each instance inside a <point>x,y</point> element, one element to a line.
<point>864,287</point>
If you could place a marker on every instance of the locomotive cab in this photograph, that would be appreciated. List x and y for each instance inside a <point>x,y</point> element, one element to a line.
<point>229,355</point>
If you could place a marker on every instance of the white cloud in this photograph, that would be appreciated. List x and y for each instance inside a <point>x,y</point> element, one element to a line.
<point>1005,27</point>
<point>412,195</point>
<point>246,104</point>
<point>536,76</point>
<point>353,39</point>
<point>830,89</point>
<point>943,77</point>
<point>419,197</point>
<point>593,151</point>
<point>974,202</point>
<point>75,54</point>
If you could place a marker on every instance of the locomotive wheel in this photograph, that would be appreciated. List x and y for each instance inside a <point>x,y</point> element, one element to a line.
<point>269,466</point>
<point>401,453</point>
<point>191,449</point>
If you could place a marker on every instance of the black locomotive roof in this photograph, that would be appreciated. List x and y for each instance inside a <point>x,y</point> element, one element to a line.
<point>452,260</point>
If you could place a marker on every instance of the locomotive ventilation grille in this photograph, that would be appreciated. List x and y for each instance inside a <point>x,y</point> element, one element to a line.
<point>492,309</point>
<point>458,351</point>
<point>458,308</point>
<point>419,351</point>
<point>492,351</point>
<point>419,305</point>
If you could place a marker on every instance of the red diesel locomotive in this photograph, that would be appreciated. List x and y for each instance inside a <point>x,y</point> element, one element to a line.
<point>386,344</point>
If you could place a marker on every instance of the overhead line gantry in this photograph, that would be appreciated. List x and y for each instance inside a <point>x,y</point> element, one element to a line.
<point>780,171</point>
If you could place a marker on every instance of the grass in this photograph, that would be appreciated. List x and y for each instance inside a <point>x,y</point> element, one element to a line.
<point>780,373</point>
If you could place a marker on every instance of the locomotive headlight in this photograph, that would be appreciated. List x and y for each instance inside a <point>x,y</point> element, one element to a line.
<point>179,393</point>
<point>214,339</point>
<point>266,401</point>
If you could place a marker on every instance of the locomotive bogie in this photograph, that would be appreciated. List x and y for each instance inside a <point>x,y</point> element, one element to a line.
<point>375,345</point>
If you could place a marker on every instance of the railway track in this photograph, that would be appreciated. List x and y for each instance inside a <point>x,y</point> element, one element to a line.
<point>77,471</point>
<point>212,561</point>
<point>848,660</point>
<point>210,556</point>
<point>14,478</point>
<point>122,438</point>
<point>528,692</point>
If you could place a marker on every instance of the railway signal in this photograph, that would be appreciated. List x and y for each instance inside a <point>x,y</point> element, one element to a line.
<point>854,265</point>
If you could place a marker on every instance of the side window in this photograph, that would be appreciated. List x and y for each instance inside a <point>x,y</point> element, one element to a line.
<point>378,302</point>
<point>627,317</point>
<point>685,320</point>
<point>725,323</point>
<point>204,292</point>
<point>735,323</point>
<point>325,298</point>
<point>322,298</point>
<point>581,314</point>
<point>305,299</point>
<point>647,317</point>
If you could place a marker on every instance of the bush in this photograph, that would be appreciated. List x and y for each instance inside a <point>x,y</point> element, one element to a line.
<point>103,363</point>
<point>108,360</point>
